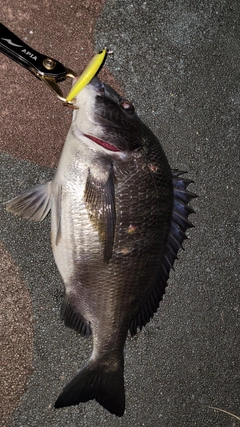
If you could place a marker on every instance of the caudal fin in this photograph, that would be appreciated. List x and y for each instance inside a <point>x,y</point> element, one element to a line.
<point>94,381</point>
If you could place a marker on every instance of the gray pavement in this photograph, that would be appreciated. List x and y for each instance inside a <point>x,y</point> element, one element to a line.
<point>179,62</point>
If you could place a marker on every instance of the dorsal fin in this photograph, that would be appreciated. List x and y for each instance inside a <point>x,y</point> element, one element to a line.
<point>180,223</point>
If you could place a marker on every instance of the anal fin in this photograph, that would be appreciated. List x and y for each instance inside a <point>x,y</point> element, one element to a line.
<point>73,319</point>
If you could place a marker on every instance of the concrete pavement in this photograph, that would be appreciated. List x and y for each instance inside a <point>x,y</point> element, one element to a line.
<point>179,63</point>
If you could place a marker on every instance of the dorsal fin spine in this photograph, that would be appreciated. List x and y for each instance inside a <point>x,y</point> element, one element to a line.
<point>179,225</point>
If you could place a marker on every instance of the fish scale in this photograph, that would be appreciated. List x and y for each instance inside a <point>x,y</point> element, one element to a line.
<point>119,216</point>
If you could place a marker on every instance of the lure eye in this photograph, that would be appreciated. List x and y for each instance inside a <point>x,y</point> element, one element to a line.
<point>127,106</point>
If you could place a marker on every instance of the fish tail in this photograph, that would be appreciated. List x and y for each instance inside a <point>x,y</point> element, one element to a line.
<point>96,381</point>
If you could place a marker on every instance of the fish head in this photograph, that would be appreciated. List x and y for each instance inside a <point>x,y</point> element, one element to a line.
<point>106,118</point>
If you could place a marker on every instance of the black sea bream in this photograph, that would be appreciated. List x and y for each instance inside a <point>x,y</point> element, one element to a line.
<point>118,217</point>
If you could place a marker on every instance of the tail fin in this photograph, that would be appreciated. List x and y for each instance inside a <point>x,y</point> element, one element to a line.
<point>94,381</point>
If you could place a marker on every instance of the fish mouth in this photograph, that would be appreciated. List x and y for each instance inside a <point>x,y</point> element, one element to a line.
<point>102,143</point>
<point>99,88</point>
<point>98,85</point>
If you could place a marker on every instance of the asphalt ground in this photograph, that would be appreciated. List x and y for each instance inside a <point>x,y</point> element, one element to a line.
<point>179,63</point>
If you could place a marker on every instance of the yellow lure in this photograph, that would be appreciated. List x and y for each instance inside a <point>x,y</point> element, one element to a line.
<point>87,75</point>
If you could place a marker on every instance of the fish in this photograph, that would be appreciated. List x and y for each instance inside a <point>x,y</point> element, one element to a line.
<point>119,215</point>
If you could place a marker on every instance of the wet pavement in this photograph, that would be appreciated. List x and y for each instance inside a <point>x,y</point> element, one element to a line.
<point>179,63</point>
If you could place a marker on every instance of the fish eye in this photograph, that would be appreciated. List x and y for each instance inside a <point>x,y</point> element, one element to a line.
<point>127,106</point>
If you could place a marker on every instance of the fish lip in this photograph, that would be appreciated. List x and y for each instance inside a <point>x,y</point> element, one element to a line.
<point>106,145</point>
<point>105,123</point>
<point>98,85</point>
<point>102,143</point>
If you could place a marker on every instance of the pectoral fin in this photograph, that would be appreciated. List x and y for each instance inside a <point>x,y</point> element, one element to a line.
<point>58,211</point>
<point>100,201</point>
<point>33,203</point>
